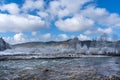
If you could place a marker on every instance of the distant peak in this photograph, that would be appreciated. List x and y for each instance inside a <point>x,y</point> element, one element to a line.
<point>75,38</point>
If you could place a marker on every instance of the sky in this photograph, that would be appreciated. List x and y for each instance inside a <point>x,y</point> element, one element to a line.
<point>57,20</point>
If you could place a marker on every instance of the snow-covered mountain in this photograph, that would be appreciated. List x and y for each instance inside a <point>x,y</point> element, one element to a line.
<point>4,45</point>
<point>69,48</point>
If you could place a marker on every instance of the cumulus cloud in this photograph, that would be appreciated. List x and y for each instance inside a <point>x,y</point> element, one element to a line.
<point>63,37</point>
<point>107,31</point>
<point>13,23</point>
<point>66,15</point>
<point>113,20</point>
<point>86,17</point>
<point>46,36</point>
<point>41,37</point>
<point>11,8</point>
<point>31,5</point>
<point>61,8</point>
<point>19,38</point>
<point>43,14</point>
<point>99,31</point>
<point>74,24</point>
<point>17,21</point>
<point>102,16</point>
<point>91,16</point>
<point>34,33</point>
<point>83,37</point>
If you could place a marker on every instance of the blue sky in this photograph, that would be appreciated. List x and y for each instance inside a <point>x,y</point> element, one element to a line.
<point>46,20</point>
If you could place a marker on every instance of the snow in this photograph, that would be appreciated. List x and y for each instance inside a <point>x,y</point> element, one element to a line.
<point>61,50</point>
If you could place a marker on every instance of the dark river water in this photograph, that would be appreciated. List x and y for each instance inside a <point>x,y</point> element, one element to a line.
<point>86,68</point>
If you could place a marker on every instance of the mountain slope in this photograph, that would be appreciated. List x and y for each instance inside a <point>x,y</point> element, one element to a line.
<point>4,45</point>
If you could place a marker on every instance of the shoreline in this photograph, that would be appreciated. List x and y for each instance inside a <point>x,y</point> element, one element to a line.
<point>13,57</point>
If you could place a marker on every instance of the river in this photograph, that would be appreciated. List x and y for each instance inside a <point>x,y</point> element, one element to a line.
<point>86,68</point>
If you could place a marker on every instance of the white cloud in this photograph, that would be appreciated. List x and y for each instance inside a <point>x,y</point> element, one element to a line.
<point>12,8</point>
<point>102,16</point>
<point>34,33</point>
<point>63,37</point>
<point>43,14</point>
<point>74,24</point>
<point>61,8</point>
<point>41,37</point>
<point>19,23</point>
<point>63,13</point>
<point>107,31</point>
<point>19,38</point>
<point>46,36</point>
<point>30,5</point>
<point>99,31</point>
<point>86,20</point>
<point>113,20</point>
<point>94,13</point>
<point>83,37</point>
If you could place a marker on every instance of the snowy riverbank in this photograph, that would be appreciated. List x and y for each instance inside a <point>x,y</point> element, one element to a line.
<point>40,53</point>
<point>15,57</point>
